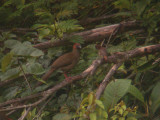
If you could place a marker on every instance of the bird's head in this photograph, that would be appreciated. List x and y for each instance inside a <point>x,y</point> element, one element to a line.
<point>77,46</point>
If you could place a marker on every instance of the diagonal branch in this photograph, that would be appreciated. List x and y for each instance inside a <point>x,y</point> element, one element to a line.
<point>104,83</point>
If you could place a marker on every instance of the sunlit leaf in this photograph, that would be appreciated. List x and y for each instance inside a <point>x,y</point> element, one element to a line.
<point>92,116</point>
<point>6,60</point>
<point>99,103</point>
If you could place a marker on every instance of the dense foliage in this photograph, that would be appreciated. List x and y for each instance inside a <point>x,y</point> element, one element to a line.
<point>133,92</point>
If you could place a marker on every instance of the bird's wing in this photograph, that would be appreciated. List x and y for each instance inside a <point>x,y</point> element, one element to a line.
<point>63,60</point>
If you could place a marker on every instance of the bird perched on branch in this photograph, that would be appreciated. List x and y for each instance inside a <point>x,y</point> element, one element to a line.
<point>65,62</point>
<point>102,51</point>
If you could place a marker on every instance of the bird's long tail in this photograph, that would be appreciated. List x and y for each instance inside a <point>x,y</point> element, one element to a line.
<point>46,75</point>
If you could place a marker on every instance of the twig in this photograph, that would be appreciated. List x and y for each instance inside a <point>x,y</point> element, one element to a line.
<point>40,111</point>
<point>24,106</point>
<point>25,114</point>
<point>24,75</point>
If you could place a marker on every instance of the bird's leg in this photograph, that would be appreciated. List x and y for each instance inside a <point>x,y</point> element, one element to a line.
<point>67,78</point>
<point>105,58</point>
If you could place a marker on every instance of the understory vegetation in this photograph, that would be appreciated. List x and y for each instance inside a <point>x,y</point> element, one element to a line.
<point>34,33</point>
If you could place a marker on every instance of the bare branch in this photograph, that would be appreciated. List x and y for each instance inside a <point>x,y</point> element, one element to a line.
<point>25,114</point>
<point>138,52</point>
<point>90,36</point>
<point>21,68</point>
<point>24,106</point>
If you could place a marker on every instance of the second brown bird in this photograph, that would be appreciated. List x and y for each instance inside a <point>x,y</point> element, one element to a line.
<point>102,51</point>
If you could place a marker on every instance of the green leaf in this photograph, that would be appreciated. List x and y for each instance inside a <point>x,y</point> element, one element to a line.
<point>12,43</point>
<point>40,80</point>
<point>105,114</point>
<point>90,98</point>
<point>62,116</point>
<point>99,103</point>
<point>11,92</point>
<point>92,116</point>
<point>120,111</point>
<point>115,91</point>
<point>43,32</point>
<point>26,49</point>
<point>11,73</point>
<point>155,98</point>
<point>34,68</point>
<point>36,53</point>
<point>6,60</point>
<point>136,93</point>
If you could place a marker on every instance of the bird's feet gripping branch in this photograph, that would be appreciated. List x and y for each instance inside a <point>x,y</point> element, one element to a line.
<point>67,78</point>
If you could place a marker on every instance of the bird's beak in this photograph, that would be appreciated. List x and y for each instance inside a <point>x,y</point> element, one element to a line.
<point>79,46</point>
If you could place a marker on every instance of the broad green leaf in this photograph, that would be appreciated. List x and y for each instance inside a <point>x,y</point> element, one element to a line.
<point>12,43</point>
<point>136,93</point>
<point>155,98</point>
<point>11,73</point>
<point>99,103</point>
<point>6,60</point>
<point>26,49</point>
<point>115,91</point>
<point>34,68</point>
<point>62,116</point>
<point>93,116</point>
<point>11,92</point>
<point>36,53</point>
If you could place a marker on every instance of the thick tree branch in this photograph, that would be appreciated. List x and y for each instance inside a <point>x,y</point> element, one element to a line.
<point>91,36</point>
<point>138,52</point>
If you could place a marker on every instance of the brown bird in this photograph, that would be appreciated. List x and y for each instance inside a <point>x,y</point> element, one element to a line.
<point>102,51</point>
<point>65,62</point>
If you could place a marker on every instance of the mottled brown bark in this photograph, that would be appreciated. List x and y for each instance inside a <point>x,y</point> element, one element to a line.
<point>91,36</point>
